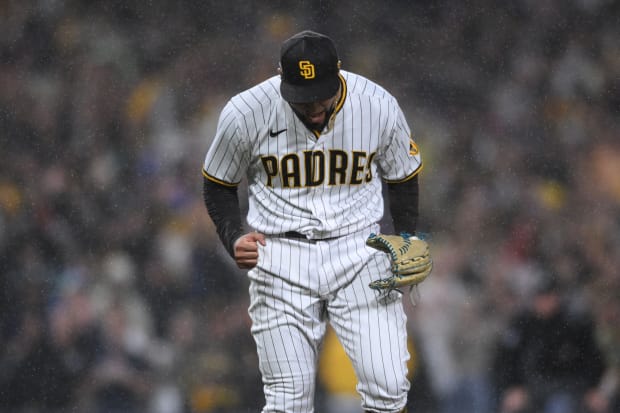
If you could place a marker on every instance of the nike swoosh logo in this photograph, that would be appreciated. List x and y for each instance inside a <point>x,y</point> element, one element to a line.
<point>273,133</point>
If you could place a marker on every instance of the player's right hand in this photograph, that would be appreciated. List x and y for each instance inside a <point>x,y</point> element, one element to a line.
<point>246,249</point>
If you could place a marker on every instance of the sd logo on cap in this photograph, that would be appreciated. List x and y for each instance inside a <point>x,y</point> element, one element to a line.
<point>309,68</point>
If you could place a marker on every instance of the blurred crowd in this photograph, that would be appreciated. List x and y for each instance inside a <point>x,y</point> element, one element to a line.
<point>115,293</point>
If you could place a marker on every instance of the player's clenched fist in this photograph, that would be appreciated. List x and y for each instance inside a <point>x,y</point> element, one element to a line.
<point>246,249</point>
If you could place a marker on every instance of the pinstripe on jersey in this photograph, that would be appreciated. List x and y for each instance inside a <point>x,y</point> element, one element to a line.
<point>321,186</point>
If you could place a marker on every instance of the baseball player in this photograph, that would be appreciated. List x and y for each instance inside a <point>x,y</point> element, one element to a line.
<point>315,143</point>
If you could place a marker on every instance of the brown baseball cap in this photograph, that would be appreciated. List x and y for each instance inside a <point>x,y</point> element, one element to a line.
<point>309,68</point>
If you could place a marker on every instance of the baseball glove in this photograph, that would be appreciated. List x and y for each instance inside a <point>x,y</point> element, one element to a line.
<point>410,257</point>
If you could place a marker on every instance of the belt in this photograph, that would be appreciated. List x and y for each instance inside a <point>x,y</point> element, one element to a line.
<point>300,236</point>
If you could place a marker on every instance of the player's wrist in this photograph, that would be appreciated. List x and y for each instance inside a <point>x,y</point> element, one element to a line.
<point>408,235</point>
<point>232,242</point>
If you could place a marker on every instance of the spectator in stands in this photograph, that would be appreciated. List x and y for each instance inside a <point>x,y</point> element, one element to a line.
<point>548,359</point>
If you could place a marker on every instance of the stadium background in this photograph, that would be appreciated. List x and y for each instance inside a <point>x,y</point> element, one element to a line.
<point>114,291</point>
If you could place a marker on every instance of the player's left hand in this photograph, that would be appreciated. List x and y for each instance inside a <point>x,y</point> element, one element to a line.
<point>246,249</point>
<point>410,257</point>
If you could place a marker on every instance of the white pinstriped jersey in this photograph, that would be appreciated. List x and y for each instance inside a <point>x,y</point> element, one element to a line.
<point>322,185</point>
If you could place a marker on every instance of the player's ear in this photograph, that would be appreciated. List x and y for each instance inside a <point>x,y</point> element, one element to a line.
<point>339,64</point>
<point>280,70</point>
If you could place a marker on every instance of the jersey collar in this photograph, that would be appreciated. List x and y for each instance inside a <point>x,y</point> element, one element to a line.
<point>337,107</point>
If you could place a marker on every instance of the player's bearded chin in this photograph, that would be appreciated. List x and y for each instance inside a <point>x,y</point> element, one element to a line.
<point>306,112</point>
<point>316,115</point>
